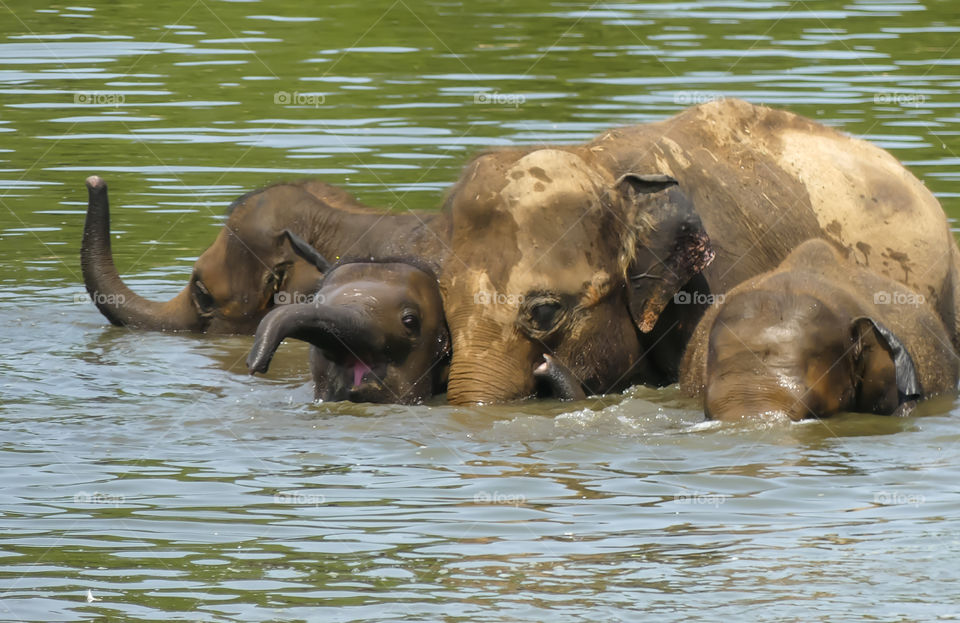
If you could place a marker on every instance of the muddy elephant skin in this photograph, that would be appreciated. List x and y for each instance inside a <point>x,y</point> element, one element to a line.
<point>605,255</point>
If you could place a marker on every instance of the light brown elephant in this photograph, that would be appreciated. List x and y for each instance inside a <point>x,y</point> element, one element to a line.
<point>251,267</point>
<point>816,336</point>
<point>600,254</point>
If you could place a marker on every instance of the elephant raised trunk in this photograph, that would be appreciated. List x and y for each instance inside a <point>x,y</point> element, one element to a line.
<point>108,291</point>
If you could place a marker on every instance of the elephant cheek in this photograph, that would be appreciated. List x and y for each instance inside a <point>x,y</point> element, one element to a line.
<point>604,352</point>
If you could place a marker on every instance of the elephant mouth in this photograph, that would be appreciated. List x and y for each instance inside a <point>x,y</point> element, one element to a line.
<point>362,374</point>
<point>361,377</point>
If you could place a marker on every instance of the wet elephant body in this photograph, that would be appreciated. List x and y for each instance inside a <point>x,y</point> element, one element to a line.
<point>816,336</point>
<point>606,255</point>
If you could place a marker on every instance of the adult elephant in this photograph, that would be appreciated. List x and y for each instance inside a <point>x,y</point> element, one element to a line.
<point>251,265</point>
<point>600,254</point>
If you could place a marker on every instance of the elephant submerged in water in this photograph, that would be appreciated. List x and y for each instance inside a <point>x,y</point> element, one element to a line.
<point>604,255</point>
<point>816,336</point>
<point>377,332</point>
<point>601,255</point>
<point>376,328</point>
<point>237,280</point>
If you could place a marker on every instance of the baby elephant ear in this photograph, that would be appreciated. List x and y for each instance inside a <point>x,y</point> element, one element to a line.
<point>671,246</point>
<point>888,382</point>
<point>305,250</point>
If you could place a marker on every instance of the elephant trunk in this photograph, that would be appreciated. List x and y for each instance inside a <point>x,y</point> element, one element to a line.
<point>328,327</point>
<point>110,294</point>
<point>557,381</point>
<point>486,369</point>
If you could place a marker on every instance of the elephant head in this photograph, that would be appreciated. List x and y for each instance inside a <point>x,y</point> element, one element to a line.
<point>816,336</point>
<point>377,330</point>
<point>793,354</point>
<point>251,266</point>
<point>552,254</point>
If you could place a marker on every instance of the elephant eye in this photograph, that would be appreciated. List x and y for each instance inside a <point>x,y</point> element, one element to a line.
<point>411,322</point>
<point>541,315</point>
<point>203,298</point>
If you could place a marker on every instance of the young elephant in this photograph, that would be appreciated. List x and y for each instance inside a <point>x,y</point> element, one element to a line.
<point>816,336</point>
<point>377,330</point>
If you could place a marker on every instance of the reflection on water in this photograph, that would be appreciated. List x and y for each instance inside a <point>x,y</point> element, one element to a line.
<point>148,477</point>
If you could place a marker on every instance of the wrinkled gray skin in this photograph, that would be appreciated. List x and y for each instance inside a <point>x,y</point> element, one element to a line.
<point>237,279</point>
<point>817,336</point>
<point>377,333</point>
<point>578,251</point>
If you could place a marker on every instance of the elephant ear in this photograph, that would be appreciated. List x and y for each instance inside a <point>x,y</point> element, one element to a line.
<point>887,379</point>
<point>671,246</point>
<point>305,250</point>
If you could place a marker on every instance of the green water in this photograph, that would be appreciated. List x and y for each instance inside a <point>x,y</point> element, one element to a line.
<point>150,470</point>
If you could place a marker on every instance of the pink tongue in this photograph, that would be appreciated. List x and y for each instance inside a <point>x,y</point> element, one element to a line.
<point>359,369</point>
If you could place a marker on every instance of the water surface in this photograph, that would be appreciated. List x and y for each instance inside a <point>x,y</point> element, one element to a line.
<point>149,474</point>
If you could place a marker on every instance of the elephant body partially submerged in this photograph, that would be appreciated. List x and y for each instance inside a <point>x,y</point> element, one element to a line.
<point>816,336</point>
<point>580,252</point>
<point>603,255</point>
<point>377,333</point>
<point>237,280</point>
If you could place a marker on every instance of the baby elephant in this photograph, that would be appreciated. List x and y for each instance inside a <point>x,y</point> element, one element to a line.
<point>816,336</point>
<point>377,330</point>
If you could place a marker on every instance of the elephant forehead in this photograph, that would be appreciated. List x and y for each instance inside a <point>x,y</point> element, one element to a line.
<point>763,319</point>
<point>551,194</point>
<point>549,185</point>
<point>364,294</point>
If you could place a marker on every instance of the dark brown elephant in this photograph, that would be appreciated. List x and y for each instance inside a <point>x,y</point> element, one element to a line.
<point>816,336</point>
<point>594,254</point>
<point>377,331</point>
<point>251,265</point>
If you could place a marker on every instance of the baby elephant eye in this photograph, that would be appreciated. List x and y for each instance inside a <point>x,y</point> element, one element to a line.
<point>411,322</point>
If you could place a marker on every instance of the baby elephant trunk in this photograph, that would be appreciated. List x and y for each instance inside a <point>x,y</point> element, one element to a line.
<point>327,327</point>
